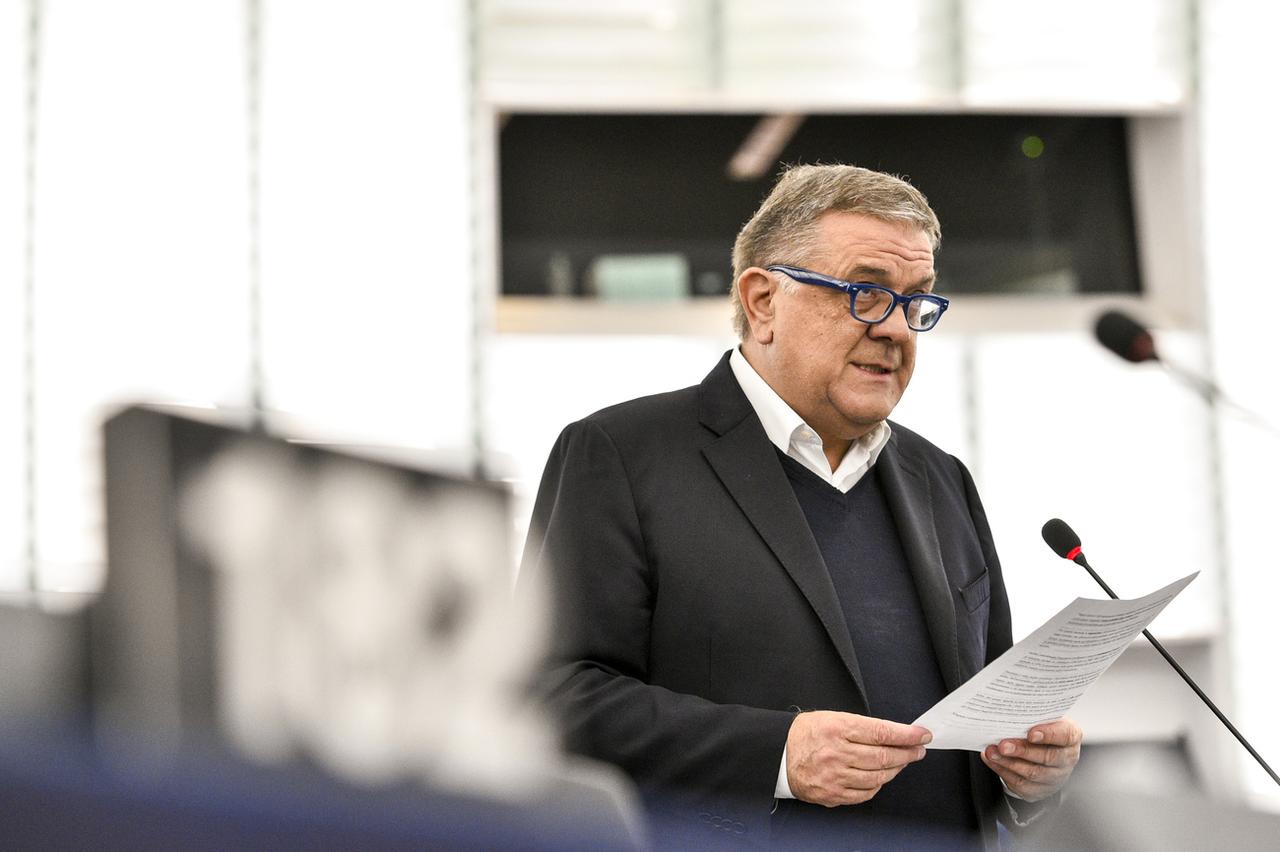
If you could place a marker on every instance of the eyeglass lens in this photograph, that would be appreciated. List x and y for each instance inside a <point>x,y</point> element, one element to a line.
<point>874,305</point>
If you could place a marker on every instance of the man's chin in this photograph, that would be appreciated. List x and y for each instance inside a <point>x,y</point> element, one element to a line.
<point>864,417</point>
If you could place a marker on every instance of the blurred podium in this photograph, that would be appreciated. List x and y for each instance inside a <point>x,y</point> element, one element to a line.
<point>1115,821</point>
<point>338,633</point>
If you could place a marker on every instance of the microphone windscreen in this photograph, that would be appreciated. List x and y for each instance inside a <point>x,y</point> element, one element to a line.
<point>1125,336</point>
<point>1060,537</point>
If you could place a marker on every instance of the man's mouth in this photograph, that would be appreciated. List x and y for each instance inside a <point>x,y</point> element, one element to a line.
<point>877,369</point>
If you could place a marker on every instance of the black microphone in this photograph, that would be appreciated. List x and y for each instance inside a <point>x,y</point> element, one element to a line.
<point>1124,336</point>
<point>1132,341</point>
<point>1064,542</point>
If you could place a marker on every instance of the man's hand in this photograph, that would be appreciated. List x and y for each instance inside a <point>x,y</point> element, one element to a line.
<point>843,759</point>
<point>1036,767</point>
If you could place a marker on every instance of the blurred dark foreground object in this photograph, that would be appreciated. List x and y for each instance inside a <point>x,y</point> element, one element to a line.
<point>44,668</point>
<point>295,647</point>
<point>56,794</point>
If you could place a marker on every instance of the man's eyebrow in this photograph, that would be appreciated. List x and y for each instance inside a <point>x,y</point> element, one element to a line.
<point>875,274</point>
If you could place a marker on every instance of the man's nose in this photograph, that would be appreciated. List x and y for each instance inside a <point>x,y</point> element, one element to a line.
<point>894,326</point>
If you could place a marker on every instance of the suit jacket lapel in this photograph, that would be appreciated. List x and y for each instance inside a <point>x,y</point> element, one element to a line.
<point>906,488</point>
<point>747,463</point>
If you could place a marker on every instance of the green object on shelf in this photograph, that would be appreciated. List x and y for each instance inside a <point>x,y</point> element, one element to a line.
<point>639,277</point>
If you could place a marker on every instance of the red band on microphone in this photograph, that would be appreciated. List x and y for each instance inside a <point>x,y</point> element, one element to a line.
<point>1073,553</point>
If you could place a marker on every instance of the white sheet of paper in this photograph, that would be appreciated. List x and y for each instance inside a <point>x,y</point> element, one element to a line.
<point>1042,677</point>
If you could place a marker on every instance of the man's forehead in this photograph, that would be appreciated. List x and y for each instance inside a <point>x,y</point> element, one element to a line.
<point>858,247</point>
<point>840,233</point>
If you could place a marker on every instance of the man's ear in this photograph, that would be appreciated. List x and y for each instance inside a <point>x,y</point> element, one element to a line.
<point>756,290</point>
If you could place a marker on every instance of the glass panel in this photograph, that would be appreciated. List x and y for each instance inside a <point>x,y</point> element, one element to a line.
<point>846,50</point>
<point>1090,52</point>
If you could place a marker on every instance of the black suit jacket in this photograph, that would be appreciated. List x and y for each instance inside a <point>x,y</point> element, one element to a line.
<point>695,615</point>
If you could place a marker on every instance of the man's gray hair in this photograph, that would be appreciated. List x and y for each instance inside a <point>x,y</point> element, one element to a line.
<point>784,229</point>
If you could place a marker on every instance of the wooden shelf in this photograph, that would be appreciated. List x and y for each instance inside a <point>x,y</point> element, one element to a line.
<point>710,317</point>
<point>559,315</point>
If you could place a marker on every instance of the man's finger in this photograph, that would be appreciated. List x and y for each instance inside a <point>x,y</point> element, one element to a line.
<point>870,731</point>
<point>1063,732</point>
<point>863,780</point>
<point>1037,772</point>
<point>1027,788</point>
<point>865,757</point>
<point>1048,755</point>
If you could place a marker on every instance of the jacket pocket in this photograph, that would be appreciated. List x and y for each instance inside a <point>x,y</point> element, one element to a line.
<point>976,592</point>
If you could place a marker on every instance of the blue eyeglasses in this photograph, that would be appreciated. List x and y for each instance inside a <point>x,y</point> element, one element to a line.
<point>872,303</point>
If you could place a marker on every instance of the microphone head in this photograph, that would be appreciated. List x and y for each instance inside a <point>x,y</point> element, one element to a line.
<point>1126,337</point>
<point>1061,539</point>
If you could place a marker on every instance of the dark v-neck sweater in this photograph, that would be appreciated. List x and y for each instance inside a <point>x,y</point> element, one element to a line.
<point>929,802</point>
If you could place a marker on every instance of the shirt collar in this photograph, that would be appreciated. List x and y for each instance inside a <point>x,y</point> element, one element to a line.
<point>783,426</point>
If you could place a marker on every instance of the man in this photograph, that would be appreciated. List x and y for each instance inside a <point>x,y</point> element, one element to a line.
<point>760,581</point>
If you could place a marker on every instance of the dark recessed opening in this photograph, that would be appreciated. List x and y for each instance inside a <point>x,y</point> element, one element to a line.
<point>1028,203</point>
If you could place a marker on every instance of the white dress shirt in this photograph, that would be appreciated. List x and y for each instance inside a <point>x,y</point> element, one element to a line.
<point>789,433</point>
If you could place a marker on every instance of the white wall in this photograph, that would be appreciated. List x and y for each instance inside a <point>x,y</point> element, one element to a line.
<point>1240,185</point>
<point>367,254</point>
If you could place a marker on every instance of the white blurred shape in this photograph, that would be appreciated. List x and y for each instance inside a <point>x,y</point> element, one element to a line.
<point>370,622</point>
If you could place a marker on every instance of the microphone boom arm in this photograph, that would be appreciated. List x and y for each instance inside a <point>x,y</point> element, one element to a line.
<point>1083,563</point>
<point>1063,541</point>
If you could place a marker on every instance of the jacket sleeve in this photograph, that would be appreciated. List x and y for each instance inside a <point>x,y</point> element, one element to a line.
<point>587,545</point>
